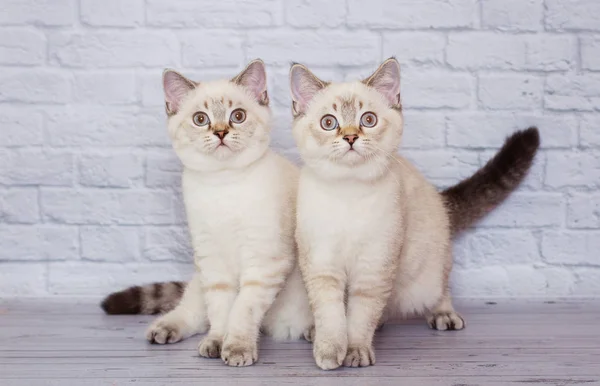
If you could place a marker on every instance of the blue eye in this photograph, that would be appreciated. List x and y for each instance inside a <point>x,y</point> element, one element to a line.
<point>200,119</point>
<point>368,119</point>
<point>328,122</point>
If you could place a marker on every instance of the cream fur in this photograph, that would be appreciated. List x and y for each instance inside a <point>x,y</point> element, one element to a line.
<point>370,229</point>
<point>240,203</point>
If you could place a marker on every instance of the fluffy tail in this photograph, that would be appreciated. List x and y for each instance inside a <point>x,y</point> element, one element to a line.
<point>476,196</point>
<point>149,299</point>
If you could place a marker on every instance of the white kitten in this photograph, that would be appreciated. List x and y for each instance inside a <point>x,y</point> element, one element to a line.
<point>374,236</point>
<point>240,202</point>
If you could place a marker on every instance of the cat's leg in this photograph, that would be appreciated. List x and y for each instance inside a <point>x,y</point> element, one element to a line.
<point>443,317</point>
<point>220,291</point>
<point>326,284</point>
<point>259,285</point>
<point>185,320</point>
<point>369,288</point>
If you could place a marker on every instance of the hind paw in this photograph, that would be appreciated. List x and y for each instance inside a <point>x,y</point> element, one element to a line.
<point>446,321</point>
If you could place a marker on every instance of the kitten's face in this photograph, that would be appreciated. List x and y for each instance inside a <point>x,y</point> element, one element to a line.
<point>221,124</point>
<point>347,129</point>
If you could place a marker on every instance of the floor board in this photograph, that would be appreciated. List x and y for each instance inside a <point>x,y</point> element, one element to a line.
<point>71,342</point>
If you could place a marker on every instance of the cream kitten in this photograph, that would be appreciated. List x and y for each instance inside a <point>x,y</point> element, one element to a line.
<point>374,236</point>
<point>240,202</point>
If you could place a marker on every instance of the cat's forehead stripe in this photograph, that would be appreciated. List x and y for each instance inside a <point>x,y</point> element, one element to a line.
<point>348,110</point>
<point>218,109</point>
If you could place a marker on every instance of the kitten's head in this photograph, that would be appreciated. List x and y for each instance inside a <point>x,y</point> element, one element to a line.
<point>347,129</point>
<point>218,125</point>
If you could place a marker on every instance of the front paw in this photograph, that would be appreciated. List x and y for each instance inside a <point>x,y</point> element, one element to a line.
<point>238,352</point>
<point>359,356</point>
<point>163,330</point>
<point>210,347</point>
<point>329,355</point>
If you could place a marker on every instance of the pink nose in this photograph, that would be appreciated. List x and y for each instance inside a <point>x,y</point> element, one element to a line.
<point>221,134</point>
<point>350,138</point>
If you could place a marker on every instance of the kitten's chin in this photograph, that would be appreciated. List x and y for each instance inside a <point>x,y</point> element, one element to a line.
<point>221,157</point>
<point>355,167</point>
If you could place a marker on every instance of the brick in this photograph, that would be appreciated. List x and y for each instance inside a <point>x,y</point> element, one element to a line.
<point>222,49</point>
<point>105,88</point>
<point>112,13</point>
<point>510,92</point>
<point>19,206</point>
<point>572,15</point>
<point>511,281</point>
<point>335,47</point>
<point>163,169</point>
<point>587,282</point>
<point>38,243</point>
<point>583,210</point>
<point>214,14</point>
<point>444,166</point>
<point>117,244</point>
<point>106,126</point>
<point>35,167</point>
<point>489,129</point>
<point>550,52</point>
<point>572,92</point>
<point>22,46</point>
<point>589,131</point>
<point>315,13</point>
<point>107,207</point>
<point>21,126</point>
<point>116,170</point>
<point>590,52</point>
<point>18,280</point>
<point>496,247</point>
<point>436,90</point>
<point>423,130</point>
<point>415,47</point>
<point>99,279</point>
<point>408,15</point>
<point>38,12</point>
<point>512,15</point>
<point>571,247</point>
<point>34,86</point>
<point>572,170</point>
<point>482,50</point>
<point>281,133</point>
<point>168,243</point>
<point>99,49</point>
<point>528,209</point>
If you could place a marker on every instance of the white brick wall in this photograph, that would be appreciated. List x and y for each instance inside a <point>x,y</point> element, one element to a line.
<point>89,195</point>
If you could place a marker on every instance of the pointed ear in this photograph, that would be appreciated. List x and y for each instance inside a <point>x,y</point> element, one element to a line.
<point>386,80</point>
<point>304,86</point>
<point>254,78</point>
<point>176,87</point>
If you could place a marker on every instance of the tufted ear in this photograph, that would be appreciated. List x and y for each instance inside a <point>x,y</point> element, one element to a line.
<point>176,87</point>
<point>386,80</point>
<point>304,85</point>
<point>254,78</point>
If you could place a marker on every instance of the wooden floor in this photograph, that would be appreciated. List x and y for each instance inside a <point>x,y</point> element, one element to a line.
<point>70,342</point>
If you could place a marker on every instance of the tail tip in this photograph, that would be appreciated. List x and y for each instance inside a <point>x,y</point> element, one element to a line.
<point>531,136</point>
<point>123,302</point>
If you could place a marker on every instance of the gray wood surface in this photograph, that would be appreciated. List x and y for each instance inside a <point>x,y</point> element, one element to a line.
<point>71,342</point>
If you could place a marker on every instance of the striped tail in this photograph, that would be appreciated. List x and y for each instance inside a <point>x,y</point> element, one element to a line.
<point>148,299</point>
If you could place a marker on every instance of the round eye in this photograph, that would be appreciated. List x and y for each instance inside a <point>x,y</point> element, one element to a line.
<point>201,119</point>
<point>368,119</point>
<point>328,122</point>
<point>238,116</point>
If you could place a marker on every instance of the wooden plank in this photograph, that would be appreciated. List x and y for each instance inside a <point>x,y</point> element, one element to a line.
<point>321,381</point>
<point>70,342</point>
